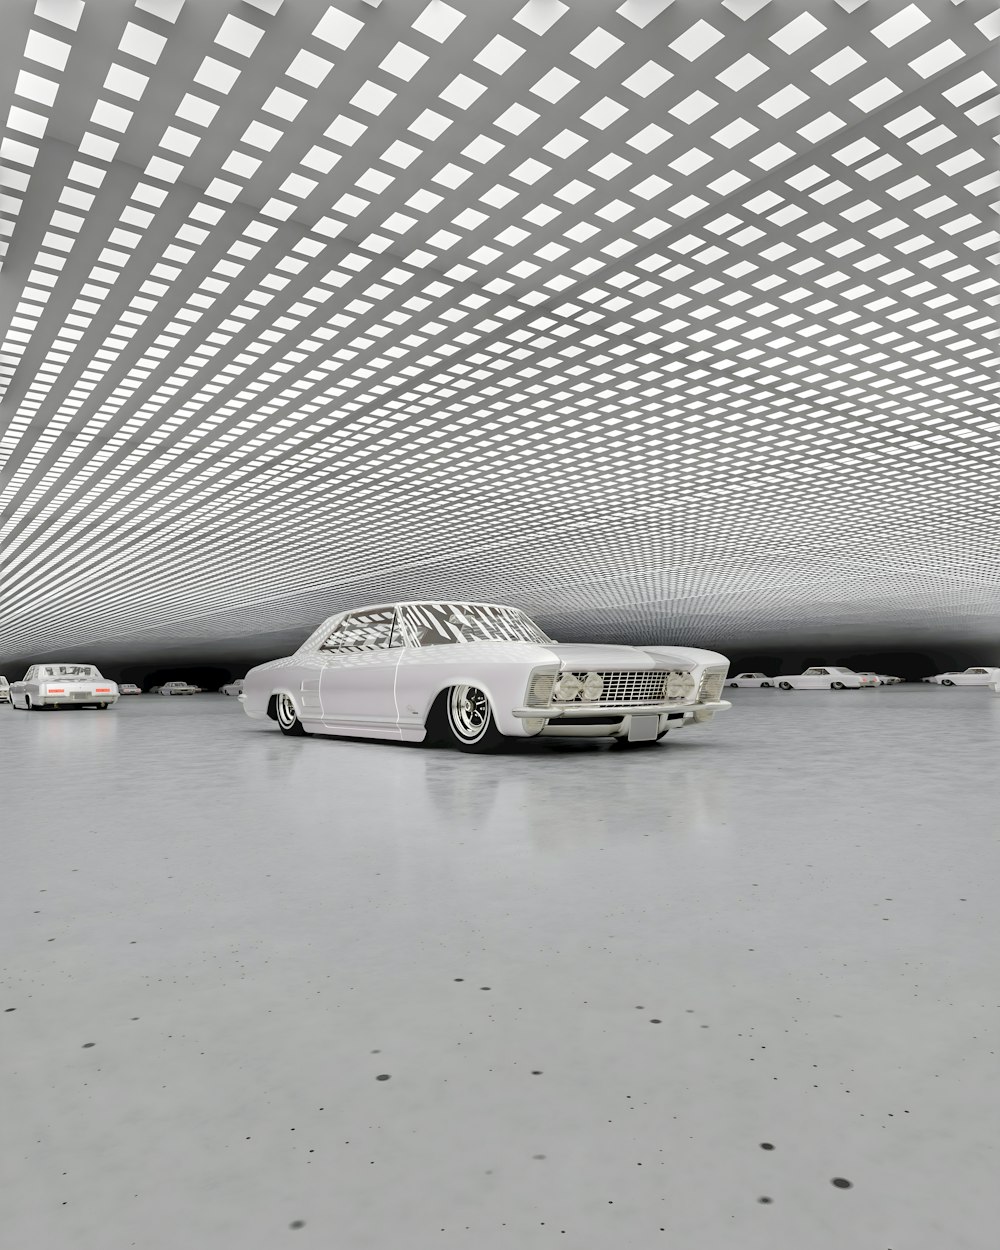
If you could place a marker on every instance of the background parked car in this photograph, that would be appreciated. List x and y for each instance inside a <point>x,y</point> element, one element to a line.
<point>890,681</point>
<point>62,685</point>
<point>177,687</point>
<point>232,688</point>
<point>832,677</point>
<point>4,690</point>
<point>128,687</point>
<point>877,678</point>
<point>760,680</point>
<point>969,677</point>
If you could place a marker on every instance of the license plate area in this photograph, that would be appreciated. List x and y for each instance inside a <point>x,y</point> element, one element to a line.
<point>643,728</point>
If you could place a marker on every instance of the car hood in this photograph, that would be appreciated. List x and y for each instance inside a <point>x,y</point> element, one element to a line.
<point>587,656</point>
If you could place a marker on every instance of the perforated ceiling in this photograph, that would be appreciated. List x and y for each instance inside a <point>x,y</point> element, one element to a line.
<point>670,320</point>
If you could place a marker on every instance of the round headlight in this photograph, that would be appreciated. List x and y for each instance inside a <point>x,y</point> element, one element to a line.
<point>679,685</point>
<point>593,687</point>
<point>567,688</point>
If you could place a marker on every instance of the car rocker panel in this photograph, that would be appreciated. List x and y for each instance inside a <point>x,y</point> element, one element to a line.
<point>393,681</point>
<point>63,685</point>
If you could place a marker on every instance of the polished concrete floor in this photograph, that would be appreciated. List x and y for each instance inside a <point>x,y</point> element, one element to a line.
<point>739,991</point>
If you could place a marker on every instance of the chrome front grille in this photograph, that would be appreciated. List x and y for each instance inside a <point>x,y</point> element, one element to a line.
<point>710,690</point>
<point>617,688</point>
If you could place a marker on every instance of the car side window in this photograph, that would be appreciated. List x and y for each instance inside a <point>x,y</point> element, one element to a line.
<point>364,631</point>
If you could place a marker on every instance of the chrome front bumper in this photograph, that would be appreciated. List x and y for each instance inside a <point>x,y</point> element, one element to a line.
<point>572,711</point>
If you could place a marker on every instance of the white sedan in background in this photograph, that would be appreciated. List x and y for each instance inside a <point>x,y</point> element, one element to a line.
<point>890,681</point>
<point>831,677</point>
<point>232,688</point>
<point>878,679</point>
<point>4,690</point>
<point>970,677</point>
<point>128,687</point>
<point>62,685</point>
<point>759,680</point>
<point>177,687</point>
<point>473,674</point>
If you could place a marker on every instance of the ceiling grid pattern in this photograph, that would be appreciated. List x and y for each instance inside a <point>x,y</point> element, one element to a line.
<point>657,317</point>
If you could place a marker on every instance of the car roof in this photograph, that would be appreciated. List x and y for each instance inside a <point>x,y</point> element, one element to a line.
<point>423,603</point>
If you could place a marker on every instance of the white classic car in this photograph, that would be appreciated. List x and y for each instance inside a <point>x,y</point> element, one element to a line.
<point>877,679</point>
<point>62,685</point>
<point>128,687</point>
<point>473,674</point>
<point>4,690</point>
<point>760,680</point>
<point>830,678</point>
<point>970,677</point>
<point>232,688</point>
<point>177,687</point>
<point>890,681</point>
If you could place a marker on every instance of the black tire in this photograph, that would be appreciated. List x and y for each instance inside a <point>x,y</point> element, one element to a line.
<point>733,686</point>
<point>784,685</point>
<point>287,717</point>
<point>837,685</point>
<point>469,720</point>
<point>102,707</point>
<point>947,683</point>
<point>765,685</point>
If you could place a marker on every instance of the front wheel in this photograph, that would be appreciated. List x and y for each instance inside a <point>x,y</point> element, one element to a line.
<point>785,685</point>
<point>288,720</point>
<point>947,683</point>
<point>733,686</point>
<point>838,685</point>
<point>469,717</point>
<point>765,685</point>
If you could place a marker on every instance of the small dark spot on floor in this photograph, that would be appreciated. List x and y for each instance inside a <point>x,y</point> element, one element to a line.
<point>656,1022</point>
<point>765,1199</point>
<point>297,1224</point>
<point>87,1045</point>
<point>841,1182</point>
<point>536,1072</point>
<point>10,1009</point>
<point>766,1145</point>
<point>382,1077</point>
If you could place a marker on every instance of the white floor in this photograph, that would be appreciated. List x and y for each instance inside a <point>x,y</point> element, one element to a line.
<point>597,983</point>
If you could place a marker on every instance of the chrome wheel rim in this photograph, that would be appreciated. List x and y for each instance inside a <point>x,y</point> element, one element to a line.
<point>286,711</point>
<point>468,712</point>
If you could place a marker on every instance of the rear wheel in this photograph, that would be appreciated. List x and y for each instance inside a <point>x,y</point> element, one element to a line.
<point>785,685</point>
<point>470,720</point>
<point>733,685</point>
<point>947,683</point>
<point>765,685</point>
<point>287,717</point>
<point>838,685</point>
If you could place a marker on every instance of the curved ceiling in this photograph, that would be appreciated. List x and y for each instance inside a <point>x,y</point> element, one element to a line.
<point>662,320</point>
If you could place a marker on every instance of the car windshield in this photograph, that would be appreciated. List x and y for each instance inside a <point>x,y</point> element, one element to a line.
<point>62,672</point>
<point>436,624</point>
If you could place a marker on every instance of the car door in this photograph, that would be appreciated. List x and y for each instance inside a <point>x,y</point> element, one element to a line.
<point>358,677</point>
<point>815,679</point>
<point>973,677</point>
